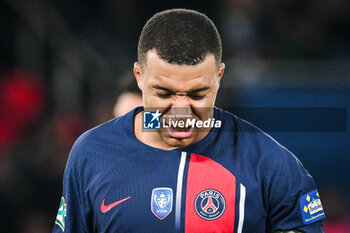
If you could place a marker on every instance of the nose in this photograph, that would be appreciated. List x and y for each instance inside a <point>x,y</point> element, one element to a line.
<point>181,105</point>
<point>181,101</point>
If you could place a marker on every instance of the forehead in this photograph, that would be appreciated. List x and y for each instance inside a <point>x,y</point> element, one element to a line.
<point>161,72</point>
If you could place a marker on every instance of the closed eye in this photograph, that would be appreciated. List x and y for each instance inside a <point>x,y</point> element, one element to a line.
<point>197,97</point>
<point>164,96</point>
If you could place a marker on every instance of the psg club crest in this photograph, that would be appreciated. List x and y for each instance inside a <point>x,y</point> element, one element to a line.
<point>210,204</point>
<point>162,202</point>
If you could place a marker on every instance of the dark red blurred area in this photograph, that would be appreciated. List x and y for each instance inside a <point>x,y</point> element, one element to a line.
<point>22,101</point>
<point>34,145</point>
<point>67,128</point>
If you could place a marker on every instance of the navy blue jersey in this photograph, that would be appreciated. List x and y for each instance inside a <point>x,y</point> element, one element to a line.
<point>237,179</point>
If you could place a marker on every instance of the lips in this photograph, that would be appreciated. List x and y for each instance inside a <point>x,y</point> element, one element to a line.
<point>180,133</point>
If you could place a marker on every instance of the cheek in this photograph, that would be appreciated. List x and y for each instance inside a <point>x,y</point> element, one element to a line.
<point>208,102</point>
<point>151,100</point>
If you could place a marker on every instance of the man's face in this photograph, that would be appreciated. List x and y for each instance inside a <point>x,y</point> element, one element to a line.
<point>179,91</point>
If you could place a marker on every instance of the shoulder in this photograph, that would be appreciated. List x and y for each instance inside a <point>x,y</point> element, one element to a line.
<point>101,147</point>
<point>256,144</point>
<point>105,133</point>
<point>246,132</point>
<point>105,139</point>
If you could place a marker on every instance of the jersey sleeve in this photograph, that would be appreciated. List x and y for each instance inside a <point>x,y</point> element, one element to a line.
<point>293,200</point>
<point>74,211</point>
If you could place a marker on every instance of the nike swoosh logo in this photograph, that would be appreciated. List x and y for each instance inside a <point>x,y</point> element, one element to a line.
<point>105,208</point>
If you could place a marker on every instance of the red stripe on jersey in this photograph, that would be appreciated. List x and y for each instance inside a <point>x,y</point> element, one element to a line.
<point>206,174</point>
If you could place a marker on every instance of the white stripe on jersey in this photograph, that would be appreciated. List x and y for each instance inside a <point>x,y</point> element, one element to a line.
<point>180,175</point>
<point>241,208</point>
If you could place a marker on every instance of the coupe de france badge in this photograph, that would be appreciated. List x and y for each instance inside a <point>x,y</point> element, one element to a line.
<point>162,202</point>
<point>311,207</point>
<point>151,120</point>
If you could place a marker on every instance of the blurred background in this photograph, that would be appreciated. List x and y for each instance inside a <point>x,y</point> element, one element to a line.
<point>63,65</point>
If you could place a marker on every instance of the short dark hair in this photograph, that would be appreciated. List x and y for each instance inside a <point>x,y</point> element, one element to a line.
<point>180,36</point>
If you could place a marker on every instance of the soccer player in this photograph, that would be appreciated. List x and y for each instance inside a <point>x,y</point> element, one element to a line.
<point>179,164</point>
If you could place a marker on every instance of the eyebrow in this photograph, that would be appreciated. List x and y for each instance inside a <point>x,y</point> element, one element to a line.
<point>200,89</point>
<point>172,91</point>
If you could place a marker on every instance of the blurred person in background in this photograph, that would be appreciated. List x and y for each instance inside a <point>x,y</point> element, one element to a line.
<point>230,179</point>
<point>129,95</point>
<point>127,98</point>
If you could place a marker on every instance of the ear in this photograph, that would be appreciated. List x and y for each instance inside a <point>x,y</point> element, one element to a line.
<point>138,74</point>
<point>221,72</point>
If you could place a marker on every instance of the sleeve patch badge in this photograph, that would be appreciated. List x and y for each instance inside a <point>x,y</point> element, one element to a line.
<point>61,214</point>
<point>311,207</point>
